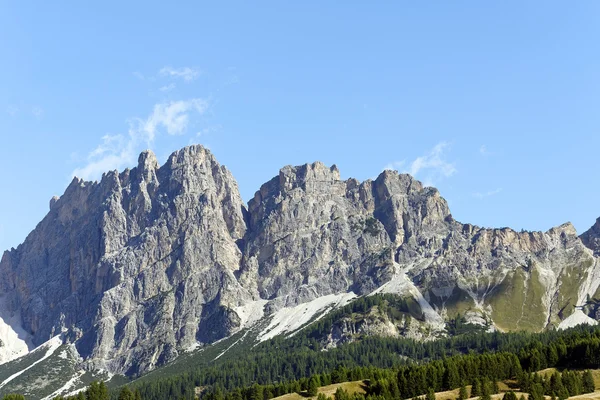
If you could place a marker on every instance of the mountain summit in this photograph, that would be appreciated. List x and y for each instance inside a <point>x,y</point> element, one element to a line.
<point>153,261</point>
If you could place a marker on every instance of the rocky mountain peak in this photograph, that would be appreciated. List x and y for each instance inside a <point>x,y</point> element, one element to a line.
<point>296,181</point>
<point>195,154</point>
<point>591,238</point>
<point>566,229</point>
<point>147,164</point>
<point>390,183</point>
<point>307,177</point>
<point>53,201</point>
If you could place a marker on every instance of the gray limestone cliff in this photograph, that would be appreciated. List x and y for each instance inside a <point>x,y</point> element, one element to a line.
<point>149,262</point>
<point>137,266</point>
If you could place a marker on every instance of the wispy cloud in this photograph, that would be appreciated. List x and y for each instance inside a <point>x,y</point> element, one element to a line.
<point>186,73</point>
<point>115,152</point>
<point>167,88</point>
<point>139,75</point>
<point>37,112</point>
<point>119,151</point>
<point>483,150</point>
<point>173,116</point>
<point>430,168</point>
<point>434,161</point>
<point>209,130</point>
<point>12,110</point>
<point>396,165</point>
<point>482,195</point>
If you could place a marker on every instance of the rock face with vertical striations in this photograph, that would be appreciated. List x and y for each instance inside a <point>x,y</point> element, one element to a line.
<point>150,262</point>
<point>137,266</point>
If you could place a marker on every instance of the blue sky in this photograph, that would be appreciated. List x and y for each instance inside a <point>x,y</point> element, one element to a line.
<point>495,103</point>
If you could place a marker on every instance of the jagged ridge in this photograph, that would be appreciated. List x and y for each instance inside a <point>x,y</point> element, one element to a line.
<point>151,261</point>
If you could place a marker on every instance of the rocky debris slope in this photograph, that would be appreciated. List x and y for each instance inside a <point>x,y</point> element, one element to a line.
<point>153,261</point>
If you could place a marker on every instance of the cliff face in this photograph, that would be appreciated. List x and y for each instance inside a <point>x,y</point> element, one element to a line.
<point>155,260</point>
<point>528,280</point>
<point>133,266</point>
<point>591,238</point>
<point>312,234</point>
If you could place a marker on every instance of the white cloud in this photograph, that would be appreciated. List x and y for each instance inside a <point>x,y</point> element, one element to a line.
<point>483,150</point>
<point>429,168</point>
<point>173,116</point>
<point>232,80</point>
<point>12,110</point>
<point>433,161</point>
<point>167,88</point>
<point>119,151</point>
<point>109,156</point>
<point>37,112</point>
<point>482,195</point>
<point>186,73</point>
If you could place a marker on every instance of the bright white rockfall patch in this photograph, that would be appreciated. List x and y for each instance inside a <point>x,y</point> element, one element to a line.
<point>402,285</point>
<point>229,348</point>
<point>577,318</point>
<point>15,342</point>
<point>291,319</point>
<point>251,313</point>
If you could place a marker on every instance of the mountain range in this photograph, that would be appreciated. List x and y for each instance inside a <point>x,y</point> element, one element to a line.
<point>134,271</point>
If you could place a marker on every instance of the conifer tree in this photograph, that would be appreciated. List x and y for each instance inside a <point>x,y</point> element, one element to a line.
<point>485,390</point>
<point>552,356</point>
<point>256,392</point>
<point>537,392</point>
<point>97,391</point>
<point>312,387</point>
<point>451,376</point>
<point>430,394</point>
<point>588,382</point>
<point>462,393</point>
<point>341,394</point>
<point>476,388</point>
<point>555,385</point>
<point>510,395</point>
<point>126,394</point>
<point>563,393</point>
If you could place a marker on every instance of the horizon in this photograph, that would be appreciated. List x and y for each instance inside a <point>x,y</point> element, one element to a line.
<point>495,105</point>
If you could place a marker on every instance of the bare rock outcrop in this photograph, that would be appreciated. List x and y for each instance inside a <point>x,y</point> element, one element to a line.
<point>137,266</point>
<point>149,262</point>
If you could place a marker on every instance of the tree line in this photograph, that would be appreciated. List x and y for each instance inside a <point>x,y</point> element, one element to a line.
<point>285,365</point>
